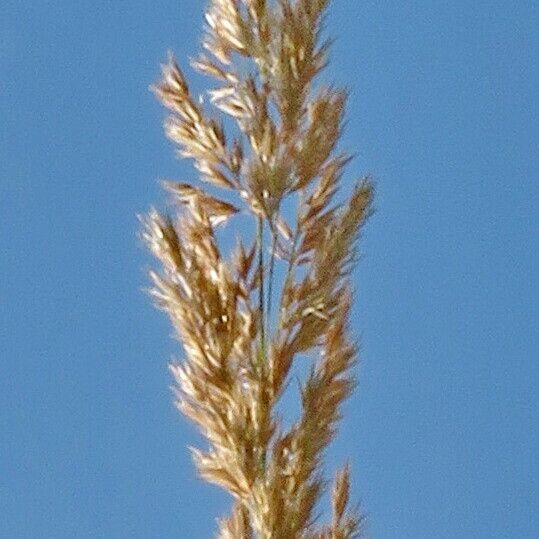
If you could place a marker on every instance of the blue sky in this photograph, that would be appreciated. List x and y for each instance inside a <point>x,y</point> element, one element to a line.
<point>443,429</point>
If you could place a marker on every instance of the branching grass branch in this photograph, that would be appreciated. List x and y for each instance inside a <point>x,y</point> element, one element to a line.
<point>238,354</point>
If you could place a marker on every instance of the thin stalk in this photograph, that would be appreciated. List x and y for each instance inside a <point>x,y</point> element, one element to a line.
<point>291,265</point>
<point>271,267</point>
<point>261,300</point>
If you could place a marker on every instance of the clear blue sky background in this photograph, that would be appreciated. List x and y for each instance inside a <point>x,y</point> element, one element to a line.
<point>443,430</point>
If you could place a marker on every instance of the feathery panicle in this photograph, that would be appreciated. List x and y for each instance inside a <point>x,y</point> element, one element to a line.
<point>237,526</point>
<point>238,354</point>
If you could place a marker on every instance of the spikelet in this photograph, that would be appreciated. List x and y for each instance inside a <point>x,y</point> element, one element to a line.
<point>238,351</point>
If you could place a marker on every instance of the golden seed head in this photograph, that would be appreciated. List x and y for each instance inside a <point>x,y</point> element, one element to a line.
<point>238,351</point>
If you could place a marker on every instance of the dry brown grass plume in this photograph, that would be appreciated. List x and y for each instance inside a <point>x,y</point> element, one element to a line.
<point>239,350</point>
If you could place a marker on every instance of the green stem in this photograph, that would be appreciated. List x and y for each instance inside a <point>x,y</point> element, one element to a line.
<point>271,267</point>
<point>288,277</point>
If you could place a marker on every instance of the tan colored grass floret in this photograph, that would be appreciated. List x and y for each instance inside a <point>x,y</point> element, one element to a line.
<point>238,352</point>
